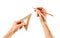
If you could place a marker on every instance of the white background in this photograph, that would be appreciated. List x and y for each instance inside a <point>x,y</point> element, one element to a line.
<point>11,10</point>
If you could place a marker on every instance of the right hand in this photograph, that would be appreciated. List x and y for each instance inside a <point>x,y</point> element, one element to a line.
<point>40,9</point>
<point>41,13</point>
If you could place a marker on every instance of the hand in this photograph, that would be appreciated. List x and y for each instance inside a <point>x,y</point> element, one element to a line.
<point>16,25</point>
<point>40,10</point>
<point>41,13</point>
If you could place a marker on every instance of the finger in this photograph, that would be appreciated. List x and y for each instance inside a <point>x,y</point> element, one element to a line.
<point>18,22</point>
<point>38,9</point>
<point>37,15</point>
<point>21,25</point>
<point>41,9</point>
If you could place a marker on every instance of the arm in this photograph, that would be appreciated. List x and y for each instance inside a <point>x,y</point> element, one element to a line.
<point>8,35</point>
<point>17,25</point>
<point>41,13</point>
<point>46,29</point>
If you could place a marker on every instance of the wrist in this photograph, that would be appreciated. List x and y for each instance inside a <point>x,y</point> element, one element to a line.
<point>8,35</point>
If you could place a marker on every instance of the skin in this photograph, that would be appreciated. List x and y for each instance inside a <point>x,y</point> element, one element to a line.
<point>42,17</point>
<point>19,24</point>
<point>16,25</point>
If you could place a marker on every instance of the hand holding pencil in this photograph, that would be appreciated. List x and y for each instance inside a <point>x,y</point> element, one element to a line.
<point>41,13</point>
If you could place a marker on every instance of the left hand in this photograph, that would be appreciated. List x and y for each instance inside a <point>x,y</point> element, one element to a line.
<point>17,25</point>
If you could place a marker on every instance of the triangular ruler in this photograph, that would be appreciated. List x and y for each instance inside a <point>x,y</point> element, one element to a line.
<point>28,19</point>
